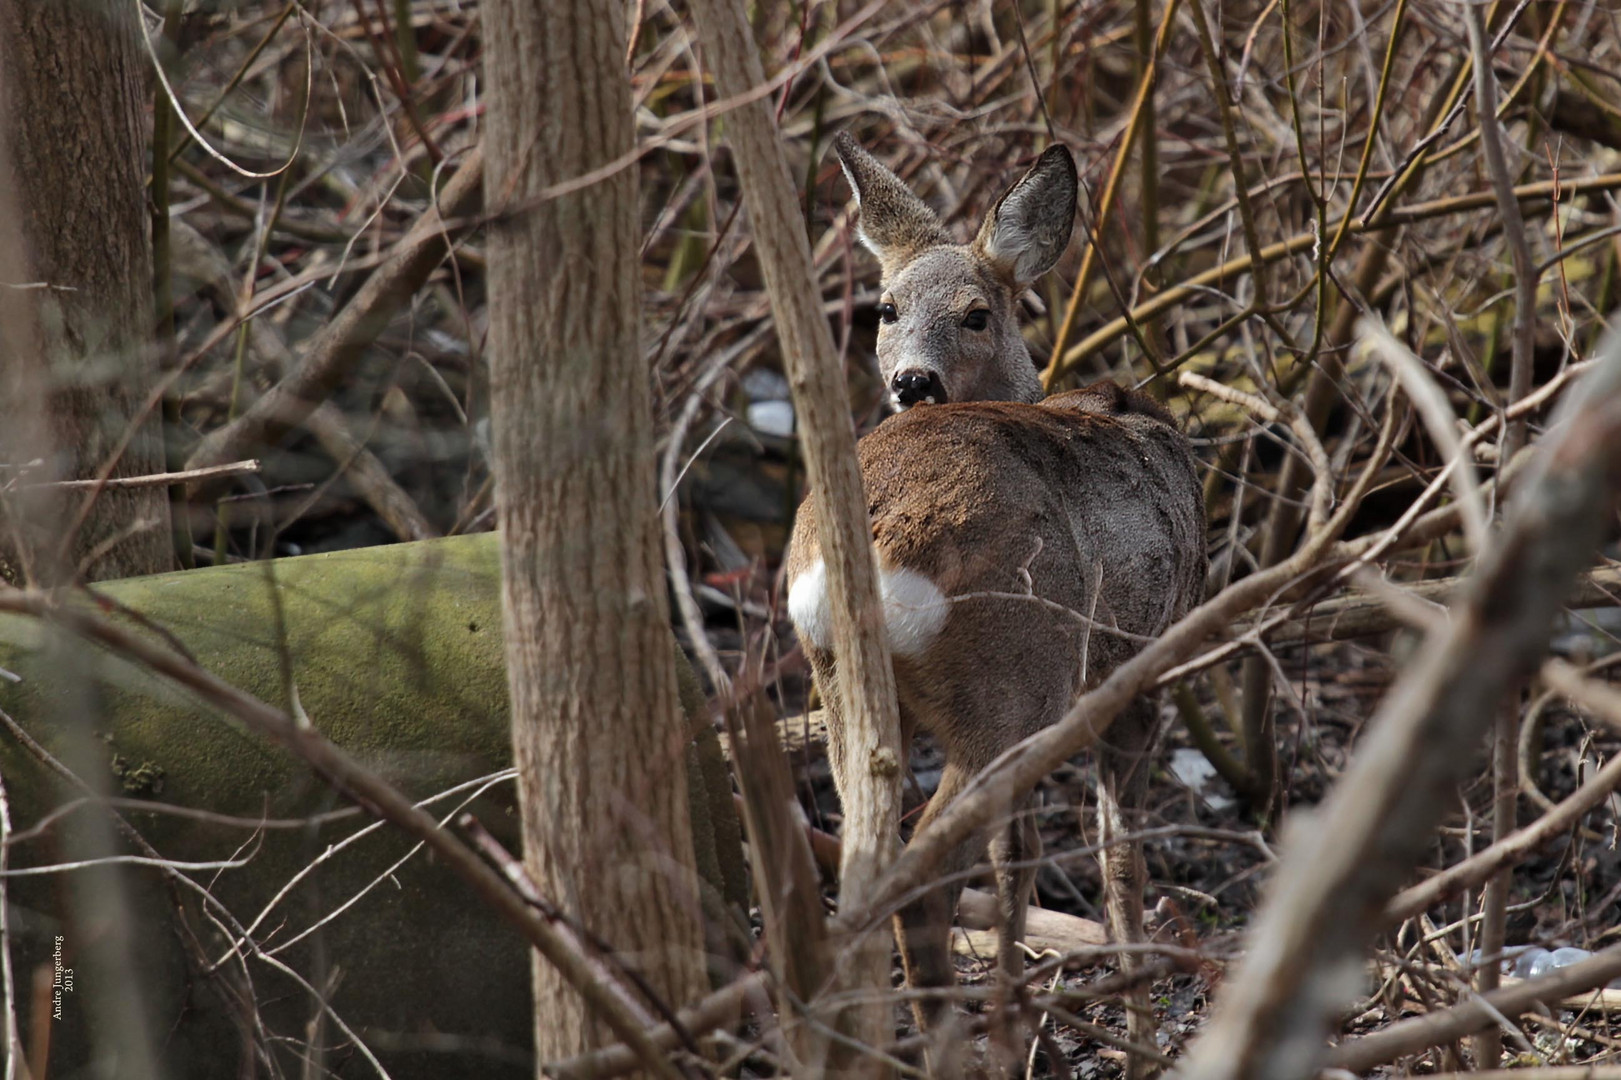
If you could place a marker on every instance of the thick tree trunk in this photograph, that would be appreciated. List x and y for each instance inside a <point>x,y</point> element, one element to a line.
<point>75,319</point>
<point>76,362</point>
<point>595,722</point>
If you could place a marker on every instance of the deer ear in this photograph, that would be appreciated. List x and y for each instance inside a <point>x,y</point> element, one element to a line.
<point>1028,228</point>
<point>895,224</point>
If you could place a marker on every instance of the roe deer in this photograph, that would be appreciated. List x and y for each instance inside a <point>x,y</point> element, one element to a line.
<point>1025,548</point>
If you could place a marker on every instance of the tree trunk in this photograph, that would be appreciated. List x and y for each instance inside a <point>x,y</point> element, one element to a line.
<point>595,723</point>
<point>76,362</point>
<point>75,366</point>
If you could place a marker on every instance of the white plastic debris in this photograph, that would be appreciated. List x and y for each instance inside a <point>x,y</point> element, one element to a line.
<point>1520,966</point>
<point>1531,961</point>
<point>772,418</point>
<point>1192,768</point>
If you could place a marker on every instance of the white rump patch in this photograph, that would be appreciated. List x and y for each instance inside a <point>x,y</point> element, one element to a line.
<point>807,607</point>
<point>914,609</point>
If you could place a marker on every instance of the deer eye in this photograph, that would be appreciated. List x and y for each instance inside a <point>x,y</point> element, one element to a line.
<point>887,312</point>
<point>977,319</point>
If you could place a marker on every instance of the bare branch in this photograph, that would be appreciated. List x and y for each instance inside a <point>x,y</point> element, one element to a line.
<point>1347,857</point>
<point>866,689</point>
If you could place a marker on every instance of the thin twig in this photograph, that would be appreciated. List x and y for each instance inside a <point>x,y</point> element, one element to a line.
<point>211,472</point>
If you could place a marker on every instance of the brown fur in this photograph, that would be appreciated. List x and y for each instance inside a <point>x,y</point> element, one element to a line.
<point>1065,532</point>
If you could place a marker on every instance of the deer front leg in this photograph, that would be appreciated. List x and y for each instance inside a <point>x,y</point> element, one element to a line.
<point>923,927</point>
<point>1122,791</point>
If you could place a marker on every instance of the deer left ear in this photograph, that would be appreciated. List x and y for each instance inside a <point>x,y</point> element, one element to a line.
<point>895,224</point>
<point>1029,227</point>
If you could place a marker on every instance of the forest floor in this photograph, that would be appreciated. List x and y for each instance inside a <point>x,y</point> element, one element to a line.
<point>1208,856</point>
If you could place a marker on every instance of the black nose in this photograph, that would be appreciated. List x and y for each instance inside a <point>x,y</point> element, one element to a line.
<point>914,386</point>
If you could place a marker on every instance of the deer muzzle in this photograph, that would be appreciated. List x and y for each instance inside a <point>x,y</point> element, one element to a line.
<point>917,386</point>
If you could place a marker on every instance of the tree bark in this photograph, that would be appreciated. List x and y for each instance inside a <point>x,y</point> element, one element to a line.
<point>76,362</point>
<point>596,731</point>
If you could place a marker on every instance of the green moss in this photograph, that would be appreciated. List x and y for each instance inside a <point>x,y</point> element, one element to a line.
<point>393,652</point>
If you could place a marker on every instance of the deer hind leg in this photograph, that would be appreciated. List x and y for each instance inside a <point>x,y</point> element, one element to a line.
<point>1014,852</point>
<point>1122,791</point>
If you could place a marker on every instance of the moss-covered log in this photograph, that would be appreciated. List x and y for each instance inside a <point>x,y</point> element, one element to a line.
<point>396,654</point>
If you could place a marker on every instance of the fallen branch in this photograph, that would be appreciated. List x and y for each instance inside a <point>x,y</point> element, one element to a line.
<point>211,472</point>
<point>1361,614</point>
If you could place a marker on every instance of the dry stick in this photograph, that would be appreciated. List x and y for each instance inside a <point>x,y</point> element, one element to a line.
<point>1235,157</point>
<point>339,346</point>
<point>1347,858</point>
<point>866,690</point>
<point>1513,223</point>
<point>367,475</point>
<point>1433,408</point>
<point>1477,1013</point>
<point>348,777</point>
<point>1599,698</point>
<point>1322,469</point>
<point>1506,741</point>
<point>14,1046</point>
<point>233,468</point>
<point>1143,40</point>
<point>1359,614</point>
<point>1141,110</point>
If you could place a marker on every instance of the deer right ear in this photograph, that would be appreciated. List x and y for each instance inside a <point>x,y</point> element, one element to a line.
<point>1028,229</point>
<point>895,224</point>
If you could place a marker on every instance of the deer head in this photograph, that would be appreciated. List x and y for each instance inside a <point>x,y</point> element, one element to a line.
<point>948,316</point>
